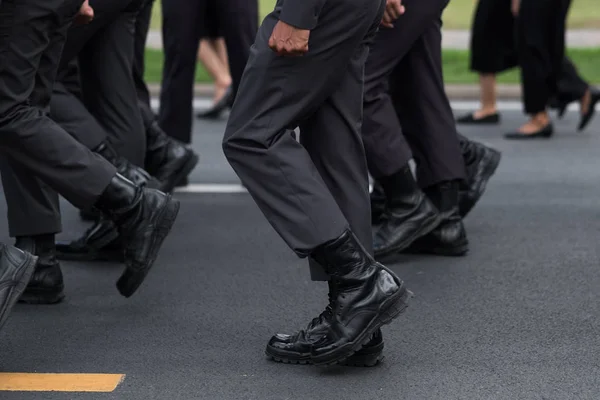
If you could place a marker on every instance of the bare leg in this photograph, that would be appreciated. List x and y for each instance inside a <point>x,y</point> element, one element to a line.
<point>537,122</point>
<point>487,87</point>
<point>209,57</point>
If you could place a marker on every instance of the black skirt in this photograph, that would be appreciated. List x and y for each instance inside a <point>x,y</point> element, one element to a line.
<point>493,44</point>
<point>211,28</point>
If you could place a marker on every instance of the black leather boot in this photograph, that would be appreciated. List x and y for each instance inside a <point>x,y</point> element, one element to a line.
<point>16,268</point>
<point>134,173</point>
<point>481,163</point>
<point>450,237</point>
<point>377,203</point>
<point>46,285</point>
<point>295,349</point>
<point>408,216</point>
<point>366,296</point>
<point>143,218</point>
<point>101,242</point>
<point>167,159</point>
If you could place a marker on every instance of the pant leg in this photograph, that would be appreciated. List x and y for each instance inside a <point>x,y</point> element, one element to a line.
<point>333,139</point>
<point>273,98</point>
<point>540,43</point>
<point>142,25</point>
<point>32,33</point>
<point>109,93</point>
<point>424,110</point>
<point>571,86</point>
<point>181,28</point>
<point>238,22</point>
<point>67,110</point>
<point>386,148</point>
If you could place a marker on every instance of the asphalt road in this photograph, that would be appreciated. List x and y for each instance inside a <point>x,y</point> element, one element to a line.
<point>518,318</point>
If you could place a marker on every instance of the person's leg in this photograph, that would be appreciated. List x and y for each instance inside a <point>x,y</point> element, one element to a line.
<point>108,88</point>
<point>345,174</point>
<point>32,34</point>
<point>181,35</point>
<point>426,117</point>
<point>283,180</point>
<point>492,51</point>
<point>142,26</point>
<point>218,71</point>
<point>540,37</point>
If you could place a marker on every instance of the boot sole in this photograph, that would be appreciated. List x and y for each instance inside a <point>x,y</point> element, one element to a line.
<point>115,256</point>
<point>42,296</point>
<point>368,357</point>
<point>488,172</point>
<point>17,290</point>
<point>187,167</point>
<point>426,227</point>
<point>388,311</point>
<point>131,279</point>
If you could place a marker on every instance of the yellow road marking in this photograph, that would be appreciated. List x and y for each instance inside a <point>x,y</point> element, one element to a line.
<point>23,382</point>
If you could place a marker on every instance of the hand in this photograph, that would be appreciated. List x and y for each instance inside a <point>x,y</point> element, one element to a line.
<point>514,7</point>
<point>289,41</point>
<point>85,14</point>
<point>393,10</point>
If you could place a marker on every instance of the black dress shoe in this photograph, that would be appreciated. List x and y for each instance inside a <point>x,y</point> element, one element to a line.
<point>46,285</point>
<point>219,107</point>
<point>167,159</point>
<point>491,119</point>
<point>16,268</point>
<point>449,238</point>
<point>366,296</point>
<point>295,349</point>
<point>481,163</point>
<point>544,133</point>
<point>587,117</point>
<point>144,217</point>
<point>101,242</point>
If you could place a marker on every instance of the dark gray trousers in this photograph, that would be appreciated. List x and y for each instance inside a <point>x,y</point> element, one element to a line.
<point>311,191</point>
<point>405,100</point>
<point>182,31</point>
<point>104,110</point>
<point>37,151</point>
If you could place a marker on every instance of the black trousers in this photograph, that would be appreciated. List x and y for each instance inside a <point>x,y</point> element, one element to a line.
<point>102,109</point>
<point>182,31</point>
<point>541,28</point>
<point>36,151</point>
<point>405,100</point>
<point>142,25</point>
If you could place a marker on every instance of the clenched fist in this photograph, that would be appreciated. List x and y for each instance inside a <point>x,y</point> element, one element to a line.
<point>85,14</point>
<point>289,41</point>
<point>393,10</point>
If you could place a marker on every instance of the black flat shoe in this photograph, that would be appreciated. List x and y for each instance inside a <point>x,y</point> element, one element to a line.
<point>544,133</point>
<point>219,107</point>
<point>491,119</point>
<point>587,117</point>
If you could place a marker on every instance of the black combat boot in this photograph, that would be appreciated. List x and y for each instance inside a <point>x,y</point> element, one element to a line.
<point>167,159</point>
<point>143,218</point>
<point>450,237</point>
<point>366,295</point>
<point>134,173</point>
<point>101,242</point>
<point>16,268</point>
<point>46,285</point>
<point>481,163</point>
<point>295,349</point>
<point>409,214</point>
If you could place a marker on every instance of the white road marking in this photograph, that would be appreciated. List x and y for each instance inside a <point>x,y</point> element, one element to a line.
<point>216,188</point>
<point>202,104</point>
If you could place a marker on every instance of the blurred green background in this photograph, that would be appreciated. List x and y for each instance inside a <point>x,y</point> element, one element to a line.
<point>458,15</point>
